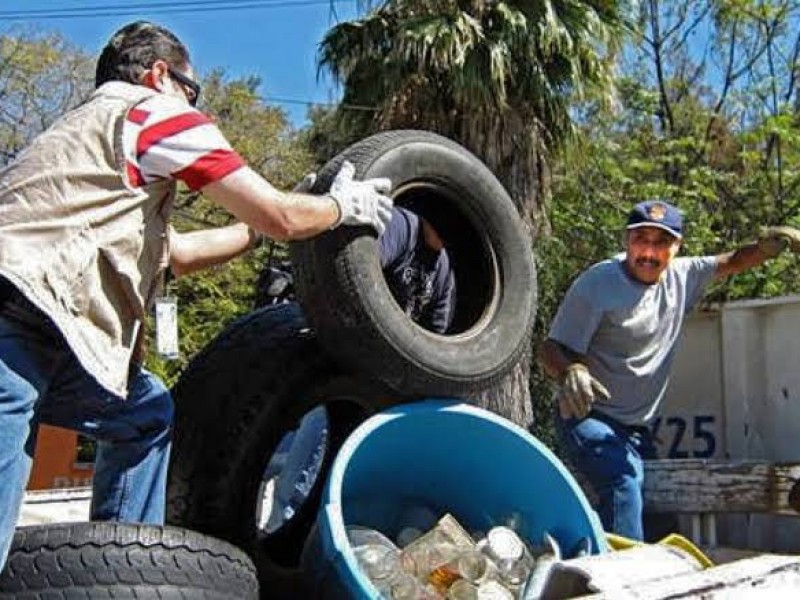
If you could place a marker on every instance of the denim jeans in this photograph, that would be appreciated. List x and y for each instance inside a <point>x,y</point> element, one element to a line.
<point>42,382</point>
<point>610,455</point>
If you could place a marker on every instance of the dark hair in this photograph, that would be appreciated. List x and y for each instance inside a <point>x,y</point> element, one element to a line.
<point>134,48</point>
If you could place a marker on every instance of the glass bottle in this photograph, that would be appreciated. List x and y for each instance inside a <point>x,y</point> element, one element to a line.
<point>509,554</point>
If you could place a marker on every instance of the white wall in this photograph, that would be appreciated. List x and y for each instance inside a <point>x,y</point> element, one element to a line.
<point>692,418</point>
<point>736,385</point>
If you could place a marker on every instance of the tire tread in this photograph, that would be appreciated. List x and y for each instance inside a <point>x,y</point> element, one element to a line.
<point>118,560</point>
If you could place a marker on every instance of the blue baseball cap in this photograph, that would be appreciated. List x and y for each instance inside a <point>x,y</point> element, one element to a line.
<point>657,213</point>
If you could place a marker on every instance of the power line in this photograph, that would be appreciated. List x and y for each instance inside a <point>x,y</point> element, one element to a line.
<point>194,6</point>
<point>104,10</point>
<point>184,4</point>
<point>280,100</point>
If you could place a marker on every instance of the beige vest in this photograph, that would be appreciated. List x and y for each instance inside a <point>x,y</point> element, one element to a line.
<point>78,241</point>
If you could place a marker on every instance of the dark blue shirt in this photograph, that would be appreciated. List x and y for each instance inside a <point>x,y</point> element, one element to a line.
<point>419,277</point>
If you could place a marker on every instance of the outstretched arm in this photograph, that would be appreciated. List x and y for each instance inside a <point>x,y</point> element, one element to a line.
<point>739,260</point>
<point>296,216</point>
<point>771,242</point>
<point>279,215</point>
<point>196,250</point>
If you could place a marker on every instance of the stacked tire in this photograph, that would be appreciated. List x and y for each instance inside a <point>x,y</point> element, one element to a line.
<point>348,347</point>
<point>117,560</point>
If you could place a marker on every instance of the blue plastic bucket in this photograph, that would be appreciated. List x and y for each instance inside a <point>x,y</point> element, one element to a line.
<point>454,458</point>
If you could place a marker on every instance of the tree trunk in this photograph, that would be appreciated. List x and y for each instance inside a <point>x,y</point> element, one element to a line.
<point>511,397</point>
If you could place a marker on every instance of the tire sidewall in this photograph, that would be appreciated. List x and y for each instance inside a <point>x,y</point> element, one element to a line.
<point>388,345</point>
<point>231,417</point>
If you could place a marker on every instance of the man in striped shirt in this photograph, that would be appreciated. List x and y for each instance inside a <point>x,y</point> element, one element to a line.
<point>84,242</point>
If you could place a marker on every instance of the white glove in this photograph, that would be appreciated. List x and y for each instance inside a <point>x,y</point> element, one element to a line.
<point>361,202</point>
<point>579,391</point>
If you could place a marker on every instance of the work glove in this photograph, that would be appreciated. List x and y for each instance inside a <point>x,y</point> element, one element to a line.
<point>774,240</point>
<point>579,391</point>
<point>361,202</point>
<point>305,184</point>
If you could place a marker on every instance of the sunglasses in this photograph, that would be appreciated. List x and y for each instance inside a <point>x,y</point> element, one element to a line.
<point>190,86</point>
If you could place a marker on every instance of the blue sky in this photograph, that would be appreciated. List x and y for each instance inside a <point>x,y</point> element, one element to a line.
<point>277,43</point>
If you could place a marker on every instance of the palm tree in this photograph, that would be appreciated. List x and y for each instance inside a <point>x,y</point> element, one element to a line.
<point>499,77</point>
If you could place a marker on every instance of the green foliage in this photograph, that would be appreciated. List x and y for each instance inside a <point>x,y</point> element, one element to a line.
<point>41,76</point>
<point>327,135</point>
<point>260,133</point>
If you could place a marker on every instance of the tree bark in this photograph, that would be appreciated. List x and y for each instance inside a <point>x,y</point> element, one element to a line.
<point>511,397</point>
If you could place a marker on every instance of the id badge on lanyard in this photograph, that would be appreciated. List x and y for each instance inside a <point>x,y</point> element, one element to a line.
<point>166,308</point>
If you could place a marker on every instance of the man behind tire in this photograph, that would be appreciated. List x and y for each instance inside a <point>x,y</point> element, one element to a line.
<point>415,264</point>
<point>612,344</point>
<point>84,242</point>
<point>417,269</point>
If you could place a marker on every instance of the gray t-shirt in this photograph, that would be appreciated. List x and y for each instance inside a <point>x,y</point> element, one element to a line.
<point>628,330</point>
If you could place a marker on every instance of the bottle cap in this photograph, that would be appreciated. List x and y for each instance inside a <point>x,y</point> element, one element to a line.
<point>504,544</point>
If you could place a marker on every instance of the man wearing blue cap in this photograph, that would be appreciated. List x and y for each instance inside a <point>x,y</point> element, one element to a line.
<point>612,344</point>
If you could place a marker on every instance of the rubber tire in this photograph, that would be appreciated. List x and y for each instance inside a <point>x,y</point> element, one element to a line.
<point>341,286</point>
<point>118,560</point>
<point>234,403</point>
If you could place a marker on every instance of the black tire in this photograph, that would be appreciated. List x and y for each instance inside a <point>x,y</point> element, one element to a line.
<point>234,403</point>
<point>341,286</point>
<point>118,560</point>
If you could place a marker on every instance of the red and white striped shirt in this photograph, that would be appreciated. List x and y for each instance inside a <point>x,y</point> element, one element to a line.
<point>165,138</point>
